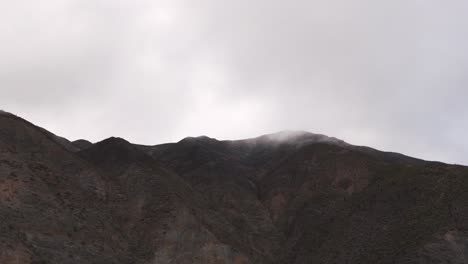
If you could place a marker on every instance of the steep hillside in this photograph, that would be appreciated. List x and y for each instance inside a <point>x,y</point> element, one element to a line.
<point>329,201</point>
<point>289,197</point>
<point>51,201</point>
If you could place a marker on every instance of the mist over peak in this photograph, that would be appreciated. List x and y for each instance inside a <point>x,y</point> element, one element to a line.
<point>297,136</point>
<point>199,139</point>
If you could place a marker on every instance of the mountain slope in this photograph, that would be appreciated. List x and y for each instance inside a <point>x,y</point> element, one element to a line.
<point>318,192</point>
<point>49,200</point>
<point>289,197</point>
<point>168,221</point>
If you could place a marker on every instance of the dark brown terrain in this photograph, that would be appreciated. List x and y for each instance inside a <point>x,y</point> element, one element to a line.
<point>290,197</point>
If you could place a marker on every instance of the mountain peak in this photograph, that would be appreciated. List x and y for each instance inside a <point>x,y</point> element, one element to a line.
<point>82,144</point>
<point>114,140</point>
<point>113,152</point>
<point>297,136</point>
<point>286,135</point>
<point>199,139</point>
<point>8,114</point>
<point>113,145</point>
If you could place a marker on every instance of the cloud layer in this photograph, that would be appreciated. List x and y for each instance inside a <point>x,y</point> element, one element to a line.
<point>392,75</point>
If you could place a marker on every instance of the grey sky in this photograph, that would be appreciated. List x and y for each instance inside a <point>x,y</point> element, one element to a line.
<point>388,74</point>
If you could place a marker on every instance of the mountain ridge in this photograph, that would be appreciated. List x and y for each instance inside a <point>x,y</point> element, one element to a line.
<point>288,197</point>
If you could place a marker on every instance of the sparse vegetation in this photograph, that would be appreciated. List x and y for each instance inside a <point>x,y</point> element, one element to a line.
<point>301,200</point>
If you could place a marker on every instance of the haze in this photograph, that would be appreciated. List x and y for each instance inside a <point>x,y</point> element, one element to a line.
<point>386,74</point>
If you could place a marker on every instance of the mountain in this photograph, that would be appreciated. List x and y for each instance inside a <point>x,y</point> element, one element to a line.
<point>81,144</point>
<point>289,197</point>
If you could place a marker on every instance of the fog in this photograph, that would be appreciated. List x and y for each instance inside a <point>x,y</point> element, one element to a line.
<point>390,75</point>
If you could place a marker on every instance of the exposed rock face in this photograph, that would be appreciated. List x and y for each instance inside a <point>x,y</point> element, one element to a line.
<point>290,197</point>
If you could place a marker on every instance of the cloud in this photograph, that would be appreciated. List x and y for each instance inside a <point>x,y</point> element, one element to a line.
<point>391,75</point>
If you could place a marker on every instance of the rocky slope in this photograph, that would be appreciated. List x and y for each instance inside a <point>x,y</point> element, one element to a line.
<point>289,197</point>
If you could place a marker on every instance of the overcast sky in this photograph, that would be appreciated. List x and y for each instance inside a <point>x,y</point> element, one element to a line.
<point>388,74</point>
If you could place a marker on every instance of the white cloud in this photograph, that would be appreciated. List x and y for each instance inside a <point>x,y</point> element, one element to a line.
<point>386,74</point>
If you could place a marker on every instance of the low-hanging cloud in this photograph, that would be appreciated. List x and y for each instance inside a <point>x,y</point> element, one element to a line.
<point>391,74</point>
